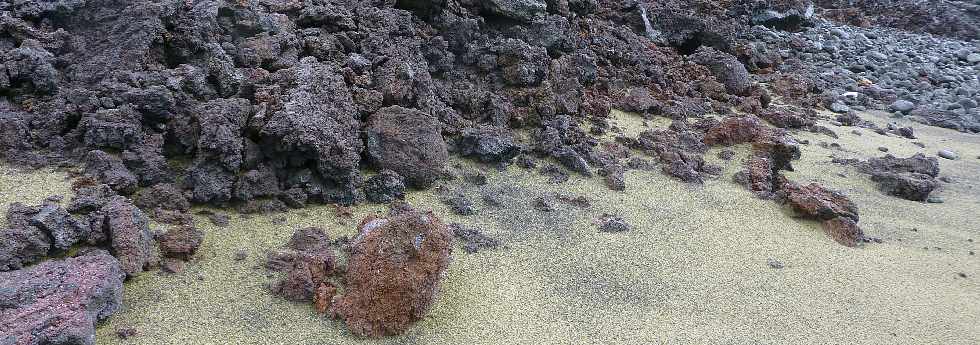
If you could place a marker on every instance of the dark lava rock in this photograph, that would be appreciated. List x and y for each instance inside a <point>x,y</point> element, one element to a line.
<point>407,142</point>
<point>180,242</point>
<point>318,125</point>
<point>64,229</point>
<point>726,68</point>
<point>129,233</point>
<point>612,223</point>
<point>394,272</point>
<point>220,149</point>
<point>521,10</point>
<point>472,239</point>
<point>110,170</point>
<point>460,204</point>
<point>90,198</point>
<point>385,187</point>
<point>60,301</point>
<point>911,178</point>
<point>488,144</point>
<point>308,262</point>
<point>22,246</point>
<point>163,196</point>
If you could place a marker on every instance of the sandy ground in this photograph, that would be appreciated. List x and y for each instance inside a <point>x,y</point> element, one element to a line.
<point>694,269</point>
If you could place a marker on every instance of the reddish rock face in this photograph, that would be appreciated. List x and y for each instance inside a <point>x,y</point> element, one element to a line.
<point>816,202</point>
<point>394,272</point>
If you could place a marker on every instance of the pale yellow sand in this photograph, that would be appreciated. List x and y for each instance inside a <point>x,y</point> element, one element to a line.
<point>692,271</point>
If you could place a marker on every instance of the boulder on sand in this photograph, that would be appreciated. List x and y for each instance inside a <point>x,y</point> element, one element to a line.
<point>60,301</point>
<point>394,271</point>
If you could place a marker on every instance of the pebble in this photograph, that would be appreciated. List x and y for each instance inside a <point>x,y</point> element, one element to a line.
<point>839,107</point>
<point>902,106</point>
<point>948,154</point>
<point>773,263</point>
<point>882,149</point>
<point>935,200</point>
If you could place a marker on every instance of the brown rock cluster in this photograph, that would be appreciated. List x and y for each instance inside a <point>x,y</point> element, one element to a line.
<point>394,272</point>
<point>772,152</point>
<point>391,277</point>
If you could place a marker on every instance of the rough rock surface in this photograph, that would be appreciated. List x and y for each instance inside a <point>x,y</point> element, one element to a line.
<point>180,242</point>
<point>394,271</point>
<point>60,301</point>
<point>407,142</point>
<point>129,235</point>
<point>912,178</point>
<point>307,262</point>
<point>385,187</point>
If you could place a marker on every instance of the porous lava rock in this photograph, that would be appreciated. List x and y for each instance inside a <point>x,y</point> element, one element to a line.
<point>394,272</point>
<point>307,262</point>
<point>912,178</point>
<point>60,301</point>
<point>408,142</point>
<point>129,235</point>
<point>180,242</point>
<point>835,210</point>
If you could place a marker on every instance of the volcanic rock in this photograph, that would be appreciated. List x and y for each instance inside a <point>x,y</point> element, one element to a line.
<point>407,142</point>
<point>60,301</point>
<point>129,234</point>
<point>394,272</point>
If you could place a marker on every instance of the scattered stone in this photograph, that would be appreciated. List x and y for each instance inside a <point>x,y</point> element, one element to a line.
<point>612,223</point>
<point>543,204</point>
<point>882,149</point>
<point>935,200</point>
<point>488,144</point>
<point>125,333</point>
<point>241,255</point>
<point>308,262</point>
<point>775,264</point>
<point>902,106</point>
<point>461,205</point>
<point>911,178</point>
<point>948,154</point>
<point>473,240</point>
<point>180,242</point>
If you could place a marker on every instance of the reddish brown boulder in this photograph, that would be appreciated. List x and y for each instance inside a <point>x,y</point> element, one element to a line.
<point>816,202</point>
<point>736,130</point>
<point>308,263</point>
<point>844,230</point>
<point>129,233</point>
<point>394,272</point>
<point>180,242</point>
